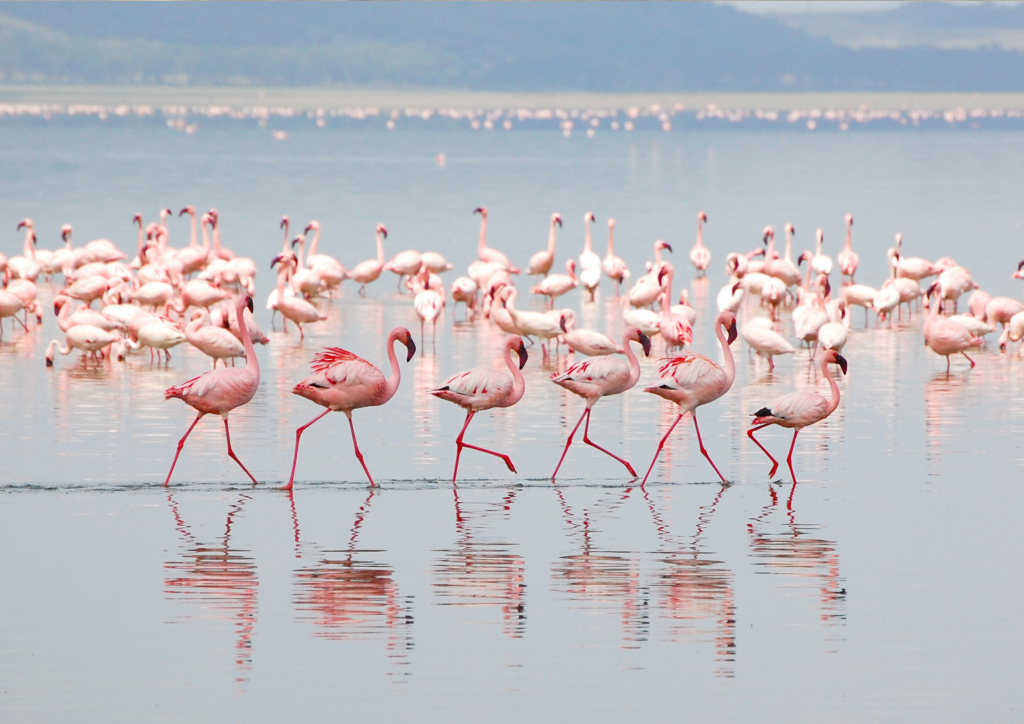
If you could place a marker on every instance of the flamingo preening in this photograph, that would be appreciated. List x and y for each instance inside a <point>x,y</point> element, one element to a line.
<point>344,382</point>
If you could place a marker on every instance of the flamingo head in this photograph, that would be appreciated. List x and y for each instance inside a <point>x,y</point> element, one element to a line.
<point>644,341</point>
<point>213,214</point>
<point>65,232</point>
<point>728,321</point>
<point>137,219</point>
<point>822,282</point>
<point>58,302</point>
<point>899,240</point>
<point>659,244</point>
<point>187,210</point>
<point>570,265</point>
<point>701,216</point>
<point>589,217</point>
<point>480,210</point>
<point>164,213</point>
<point>769,233</point>
<point>1021,265</point>
<point>282,259</point>
<point>664,271</point>
<point>313,226</point>
<point>790,229</point>
<point>382,230</point>
<point>557,219</point>
<point>284,222</point>
<point>611,223</point>
<point>820,236</point>
<point>849,219</point>
<point>836,358</point>
<point>248,303</point>
<point>299,239</point>
<point>932,289</point>
<point>25,224</point>
<point>207,219</point>
<point>523,356</point>
<point>406,338</point>
<point>806,256</point>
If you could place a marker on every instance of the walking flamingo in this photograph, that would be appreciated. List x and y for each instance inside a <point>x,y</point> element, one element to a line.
<point>368,271</point>
<point>691,380</point>
<point>590,263</point>
<point>220,391</point>
<point>848,259</point>
<point>700,257</point>
<point>593,379</point>
<point>797,410</point>
<point>540,263</point>
<point>482,388</point>
<point>344,382</point>
<point>613,266</point>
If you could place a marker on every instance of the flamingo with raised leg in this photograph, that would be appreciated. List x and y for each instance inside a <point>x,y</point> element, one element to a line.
<point>691,380</point>
<point>483,388</point>
<point>220,391</point>
<point>600,377</point>
<point>344,382</point>
<point>798,410</point>
<point>700,257</point>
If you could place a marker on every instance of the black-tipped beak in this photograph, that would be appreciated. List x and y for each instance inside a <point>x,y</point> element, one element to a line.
<point>478,210</point>
<point>841,361</point>
<point>561,323</point>
<point>296,240</point>
<point>1021,265</point>
<point>931,289</point>
<point>736,286</point>
<point>645,342</point>
<point>559,222</point>
<point>411,345</point>
<point>284,222</point>
<point>523,356</point>
<point>56,309</point>
<point>274,262</point>
<point>21,226</point>
<point>828,287</point>
<point>182,212</point>
<point>732,332</point>
<point>248,303</point>
<point>669,247</point>
<point>385,232</point>
<point>307,230</point>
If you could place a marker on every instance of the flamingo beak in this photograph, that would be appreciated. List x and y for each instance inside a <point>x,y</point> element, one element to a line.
<point>732,332</point>
<point>478,210</point>
<point>275,261</point>
<point>736,286</point>
<point>21,226</point>
<point>307,230</point>
<point>645,342</point>
<point>828,287</point>
<point>183,212</point>
<point>384,231</point>
<point>668,246</point>
<point>559,221</point>
<point>523,356</point>
<point>841,361</point>
<point>1019,266</point>
<point>296,240</point>
<point>561,323</point>
<point>248,303</point>
<point>284,222</point>
<point>412,348</point>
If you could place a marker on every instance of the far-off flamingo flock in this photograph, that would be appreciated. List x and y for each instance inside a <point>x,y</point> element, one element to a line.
<point>202,295</point>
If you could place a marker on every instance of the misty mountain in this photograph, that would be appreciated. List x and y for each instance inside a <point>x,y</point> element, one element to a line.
<point>514,46</point>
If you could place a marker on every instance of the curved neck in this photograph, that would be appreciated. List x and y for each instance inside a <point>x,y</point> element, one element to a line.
<point>571,268</point>
<point>483,235</point>
<point>634,363</point>
<point>216,235</point>
<point>518,383</point>
<point>730,364</point>
<point>251,364</point>
<point>140,244</point>
<point>933,312</point>
<point>282,277</point>
<point>833,402</point>
<point>206,239</point>
<point>392,382</point>
<point>380,249</point>
<point>657,253</point>
<point>301,254</point>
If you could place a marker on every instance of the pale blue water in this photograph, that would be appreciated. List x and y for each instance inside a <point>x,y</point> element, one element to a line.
<point>881,588</point>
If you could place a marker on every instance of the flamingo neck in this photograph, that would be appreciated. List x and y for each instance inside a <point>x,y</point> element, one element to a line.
<point>282,277</point>
<point>819,245</point>
<point>313,245</point>
<point>657,254</point>
<point>193,243</point>
<point>380,249</point>
<point>141,259</point>
<point>586,242</point>
<point>482,249</point>
<point>700,233</point>
<point>634,363</point>
<point>571,268</point>
<point>302,253</point>
<point>789,247</point>
<point>251,363</point>
<point>392,382</point>
<point>730,363</point>
<point>206,239</point>
<point>611,242</point>
<point>216,236</point>
<point>284,247</point>
<point>518,383</point>
<point>849,238</point>
<point>833,402</point>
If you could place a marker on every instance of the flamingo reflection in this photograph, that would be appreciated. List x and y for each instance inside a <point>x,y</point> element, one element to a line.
<point>348,598</point>
<point>219,580</point>
<point>482,572</point>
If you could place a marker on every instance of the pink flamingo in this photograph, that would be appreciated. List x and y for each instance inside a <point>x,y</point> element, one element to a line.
<point>482,388</point>
<point>691,380</point>
<point>613,266</point>
<point>344,382</point>
<point>493,256</point>
<point>946,337</point>
<point>600,377</point>
<point>797,410</point>
<point>220,391</point>
<point>700,257</point>
<point>555,285</point>
<point>848,259</point>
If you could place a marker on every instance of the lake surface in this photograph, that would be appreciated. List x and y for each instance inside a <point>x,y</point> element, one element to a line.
<point>881,587</point>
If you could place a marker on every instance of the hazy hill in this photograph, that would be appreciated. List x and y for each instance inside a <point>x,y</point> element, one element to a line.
<point>606,46</point>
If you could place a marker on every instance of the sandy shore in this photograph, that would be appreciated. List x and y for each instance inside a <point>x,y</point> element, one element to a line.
<point>311,98</point>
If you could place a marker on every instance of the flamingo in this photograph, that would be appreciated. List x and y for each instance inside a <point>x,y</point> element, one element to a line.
<point>25,266</point>
<point>691,380</point>
<point>593,379</point>
<point>700,257</point>
<point>913,267</point>
<point>220,391</point>
<point>193,257</point>
<point>219,251</point>
<point>85,337</point>
<point>758,333</point>
<point>305,281</point>
<point>887,299</point>
<point>797,410</point>
<point>540,263</point>
<point>848,259</point>
<point>329,269</point>
<point>592,344</point>
<point>216,343</point>
<point>66,319</point>
<point>977,303</point>
<point>555,285</point>
<point>945,337</point>
<point>590,263</point>
<point>785,269</point>
<point>860,295</point>
<point>465,290</point>
<point>613,266</point>
<point>531,324</point>
<point>647,289</point>
<point>343,382</point>
<point>483,388</point>
<point>369,271</point>
<point>427,303</point>
<point>821,263</point>
<point>683,309</point>
<point>296,309</point>
<point>10,305</point>
<point>675,329</point>
<point>405,264</point>
<point>953,282</point>
<point>488,254</point>
<point>159,336</point>
<point>435,262</point>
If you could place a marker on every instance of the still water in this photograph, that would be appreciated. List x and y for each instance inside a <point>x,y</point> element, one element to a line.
<point>881,587</point>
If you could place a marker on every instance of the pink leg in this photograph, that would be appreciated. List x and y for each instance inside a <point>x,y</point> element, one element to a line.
<point>359,455</point>
<point>789,458</point>
<point>460,444</point>
<point>295,459</point>
<point>750,434</point>
<point>702,450</point>
<point>658,451</point>
<point>181,444</point>
<point>968,359</point>
<point>231,453</point>
<point>586,439</point>
<point>568,443</point>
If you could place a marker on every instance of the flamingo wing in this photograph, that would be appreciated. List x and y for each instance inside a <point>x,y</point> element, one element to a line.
<point>479,381</point>
<point>339,367</point>
<point>796,406</point>
<point>686,370</point>
<point>592,371</point>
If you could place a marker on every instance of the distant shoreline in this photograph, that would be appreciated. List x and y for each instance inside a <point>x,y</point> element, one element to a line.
<point>304,99</point>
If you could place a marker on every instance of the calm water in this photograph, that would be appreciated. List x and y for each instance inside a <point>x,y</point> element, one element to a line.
<point>880,588</point>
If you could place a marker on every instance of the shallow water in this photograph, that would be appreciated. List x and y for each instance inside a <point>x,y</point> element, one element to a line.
<point>880,587</point>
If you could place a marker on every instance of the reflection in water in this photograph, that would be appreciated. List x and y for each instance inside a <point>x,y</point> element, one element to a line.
<point>791,551</point>
<point>348,598</point>
<point>601,580</point>
<point>483,573</point>
<point>944,413</point>
<point>693,589</point>
<point>220,581</point>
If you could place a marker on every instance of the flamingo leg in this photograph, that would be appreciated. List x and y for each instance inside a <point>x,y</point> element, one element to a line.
<point>359,455</point>
<point>231,453</point>
<point>568,443</point>
<point>658,451</point>
<point>968,359</point>
<point>750,434</point>
<point>586,439</point>
<point>460,444</point>
<point>295,458</point>
<point>789,458</point>
<point>23,326</point>
<point>702,450</point>
<point>181,444</point>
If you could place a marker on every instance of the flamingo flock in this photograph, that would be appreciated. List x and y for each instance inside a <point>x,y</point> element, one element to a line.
<point>202,295</point>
